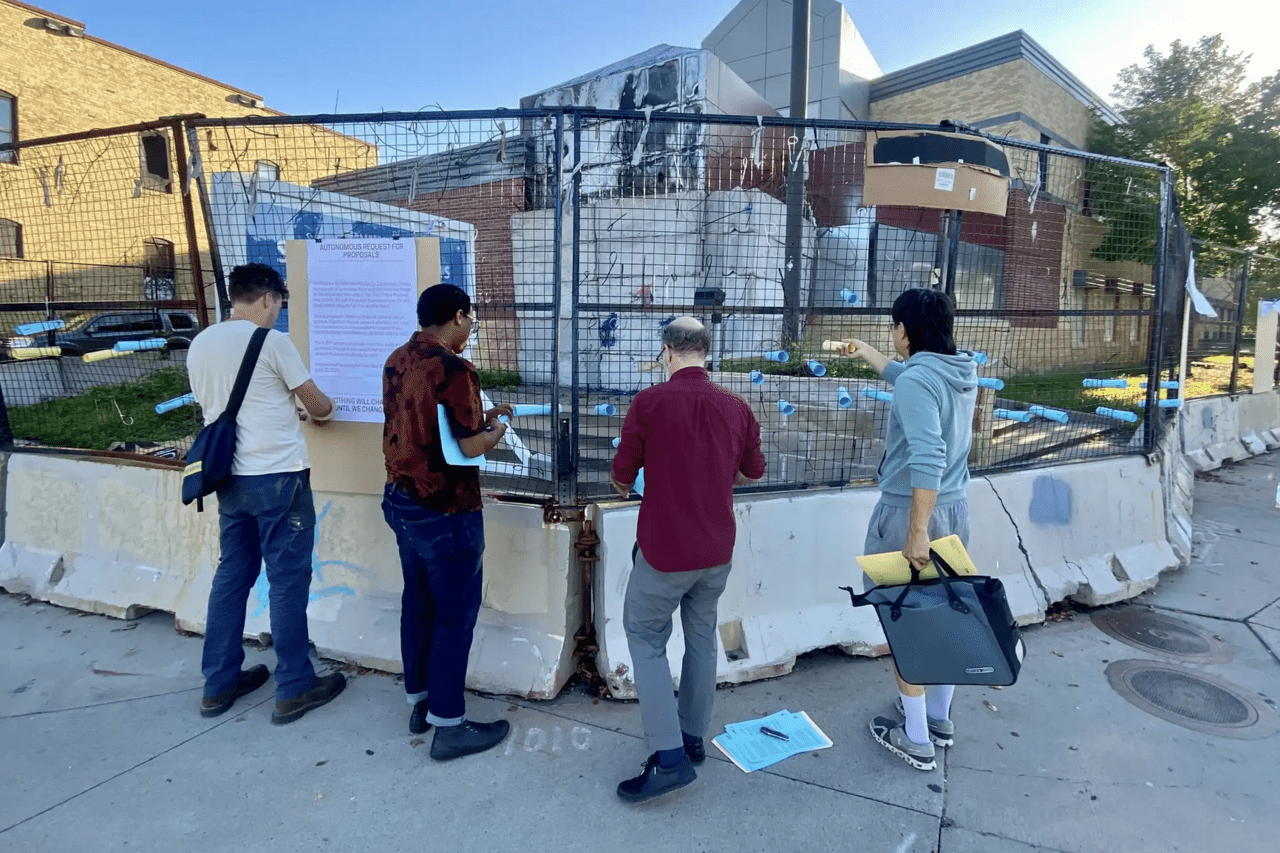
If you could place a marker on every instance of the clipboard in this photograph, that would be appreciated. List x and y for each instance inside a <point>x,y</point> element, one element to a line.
<point>453,454</point>
<point>892,568</point>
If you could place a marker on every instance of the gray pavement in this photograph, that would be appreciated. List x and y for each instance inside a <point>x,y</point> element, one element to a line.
<point>103,748</point>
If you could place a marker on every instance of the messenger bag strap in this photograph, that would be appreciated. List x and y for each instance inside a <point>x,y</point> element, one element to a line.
<point>246,372</point>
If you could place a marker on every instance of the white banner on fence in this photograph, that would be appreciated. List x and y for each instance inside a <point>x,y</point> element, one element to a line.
<point>1201,304</point>
<point>361,296</point>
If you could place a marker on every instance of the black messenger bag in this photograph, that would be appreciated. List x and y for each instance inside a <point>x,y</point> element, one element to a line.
<point>209,459</point>
<point>953,629</point>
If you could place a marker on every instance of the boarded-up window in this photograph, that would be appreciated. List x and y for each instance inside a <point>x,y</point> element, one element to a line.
<point>10,239</point>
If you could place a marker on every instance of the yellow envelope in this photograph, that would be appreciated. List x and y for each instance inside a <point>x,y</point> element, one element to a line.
<point>892,568</point>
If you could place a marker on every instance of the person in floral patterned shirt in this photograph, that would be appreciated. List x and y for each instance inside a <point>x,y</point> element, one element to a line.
<point>435,510</point>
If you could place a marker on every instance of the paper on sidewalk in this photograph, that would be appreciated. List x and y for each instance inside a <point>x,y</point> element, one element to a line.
<point>746,746</point>
<point>892,568</point>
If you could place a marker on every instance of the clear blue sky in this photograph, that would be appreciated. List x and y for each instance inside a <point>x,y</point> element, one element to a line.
<point>303,55</point>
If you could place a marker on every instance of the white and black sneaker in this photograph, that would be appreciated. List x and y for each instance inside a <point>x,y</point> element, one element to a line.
<point>941,732</point>
<point>893,737</point>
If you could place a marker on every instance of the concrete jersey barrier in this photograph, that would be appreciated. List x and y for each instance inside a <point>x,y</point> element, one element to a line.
<point>112,537</point>
<point>1091,532</point>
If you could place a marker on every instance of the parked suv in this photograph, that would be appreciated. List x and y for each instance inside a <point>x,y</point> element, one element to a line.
<point>92,332</point>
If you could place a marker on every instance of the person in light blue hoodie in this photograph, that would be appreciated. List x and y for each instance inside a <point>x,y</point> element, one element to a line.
<point>923,480</point>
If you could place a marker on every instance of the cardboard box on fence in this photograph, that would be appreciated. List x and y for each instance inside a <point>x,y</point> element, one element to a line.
<point>946,171</point>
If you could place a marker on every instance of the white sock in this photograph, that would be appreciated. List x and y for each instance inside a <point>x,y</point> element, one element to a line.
<point>938,700</point>
<point>914,709</point>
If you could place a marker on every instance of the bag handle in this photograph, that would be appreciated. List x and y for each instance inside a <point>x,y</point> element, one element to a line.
<point>946,574</point>
<point>246,372</point>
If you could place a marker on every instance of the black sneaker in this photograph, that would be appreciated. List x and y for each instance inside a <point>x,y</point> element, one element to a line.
<point>696,751</point>
<point>250,680</point>
<point>323,691</point>
<point>418,724</point>
<point>656,780</point>
<point>467,738</point>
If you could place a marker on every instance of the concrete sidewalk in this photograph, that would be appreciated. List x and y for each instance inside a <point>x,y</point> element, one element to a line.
<point>103,747</point>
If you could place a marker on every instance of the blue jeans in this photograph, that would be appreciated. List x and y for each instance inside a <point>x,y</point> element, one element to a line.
<point>267,518</point>
<point>440,556</point>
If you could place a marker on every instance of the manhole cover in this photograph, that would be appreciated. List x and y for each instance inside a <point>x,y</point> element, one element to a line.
<point>1192,699</point>
<point>1162,634</point>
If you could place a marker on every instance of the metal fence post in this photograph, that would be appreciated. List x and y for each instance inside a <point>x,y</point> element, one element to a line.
<point>1155,352</point>
<point>189,220</point>
<point>222,301</point>
<point>559,437</point>
<point>577,246</point>
<point>1235,344</point>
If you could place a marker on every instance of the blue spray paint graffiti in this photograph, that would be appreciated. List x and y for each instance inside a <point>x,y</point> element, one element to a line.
<point>608,329</point>
<point>262,588</point>
<point>1050,501</point>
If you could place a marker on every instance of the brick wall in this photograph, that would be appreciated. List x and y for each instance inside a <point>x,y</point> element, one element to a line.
<point>66,84</point>
<point>972,97</point>
<point>489,207</point>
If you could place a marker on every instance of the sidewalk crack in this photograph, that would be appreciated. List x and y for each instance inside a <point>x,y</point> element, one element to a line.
<point>163,752</point>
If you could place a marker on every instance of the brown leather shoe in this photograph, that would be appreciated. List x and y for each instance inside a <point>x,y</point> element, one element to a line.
<point>323,691</point>
<point>250,680</point>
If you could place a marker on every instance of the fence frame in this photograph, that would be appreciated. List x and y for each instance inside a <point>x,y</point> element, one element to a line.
<point>566,437</point>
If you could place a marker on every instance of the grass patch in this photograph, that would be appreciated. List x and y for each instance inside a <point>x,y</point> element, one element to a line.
<point>92,421</point>
<point>838,368</point>
<point>1067,391</point>
<point>502,380</point>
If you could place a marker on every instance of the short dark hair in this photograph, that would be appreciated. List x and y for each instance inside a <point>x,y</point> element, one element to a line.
<point>248,282</point>
<point>440,303</point>
<point>929,318</point>
<point>686,340</point>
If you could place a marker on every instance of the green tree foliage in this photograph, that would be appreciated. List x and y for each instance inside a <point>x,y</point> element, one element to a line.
<point>1193,109</point>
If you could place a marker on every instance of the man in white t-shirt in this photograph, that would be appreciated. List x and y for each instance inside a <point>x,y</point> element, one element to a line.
<point>266,512</point>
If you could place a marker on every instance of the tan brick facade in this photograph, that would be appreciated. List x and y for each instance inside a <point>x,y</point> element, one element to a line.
<point>91,206</point>
<point>66,84</point>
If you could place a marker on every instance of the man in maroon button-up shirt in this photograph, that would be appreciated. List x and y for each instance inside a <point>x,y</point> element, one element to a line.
<point>695,440</point>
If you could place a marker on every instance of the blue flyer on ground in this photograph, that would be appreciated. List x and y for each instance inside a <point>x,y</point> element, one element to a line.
<point>755,744</point>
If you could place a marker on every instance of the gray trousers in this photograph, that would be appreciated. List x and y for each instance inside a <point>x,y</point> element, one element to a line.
<point>887,530</point>
<point>652,597</point>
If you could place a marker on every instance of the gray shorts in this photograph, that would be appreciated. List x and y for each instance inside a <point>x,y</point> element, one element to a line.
<point>887,530</point>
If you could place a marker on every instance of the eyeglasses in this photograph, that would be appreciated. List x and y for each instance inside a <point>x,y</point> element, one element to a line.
<point>658,358</point>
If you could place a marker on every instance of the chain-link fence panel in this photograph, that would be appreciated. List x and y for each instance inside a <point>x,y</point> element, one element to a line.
<point>581,233</point>
<point>101,295</point>
<point>481,183</point>
<point>1055,289</point>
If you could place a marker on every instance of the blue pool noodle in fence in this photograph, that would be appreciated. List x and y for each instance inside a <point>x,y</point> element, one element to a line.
<point>1010,415</point>
<point>980,357</point>
<point>1106,383</point>
<point>607,409</point>
<point>137,346</point>
<point>176,402</point>
<point>786,408</point>
<point>991,382</point>
<point>1165,385</point>
<point>1051,414</point>
<point>843,397</point>
<point>37,328</point>
<point>817,368</point>
<point>779,355</point>
<point>849,297</point>
<point>1118,414</point>
<point>1163,404</point>
<point>757,378</point>
<point>877,394</point>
